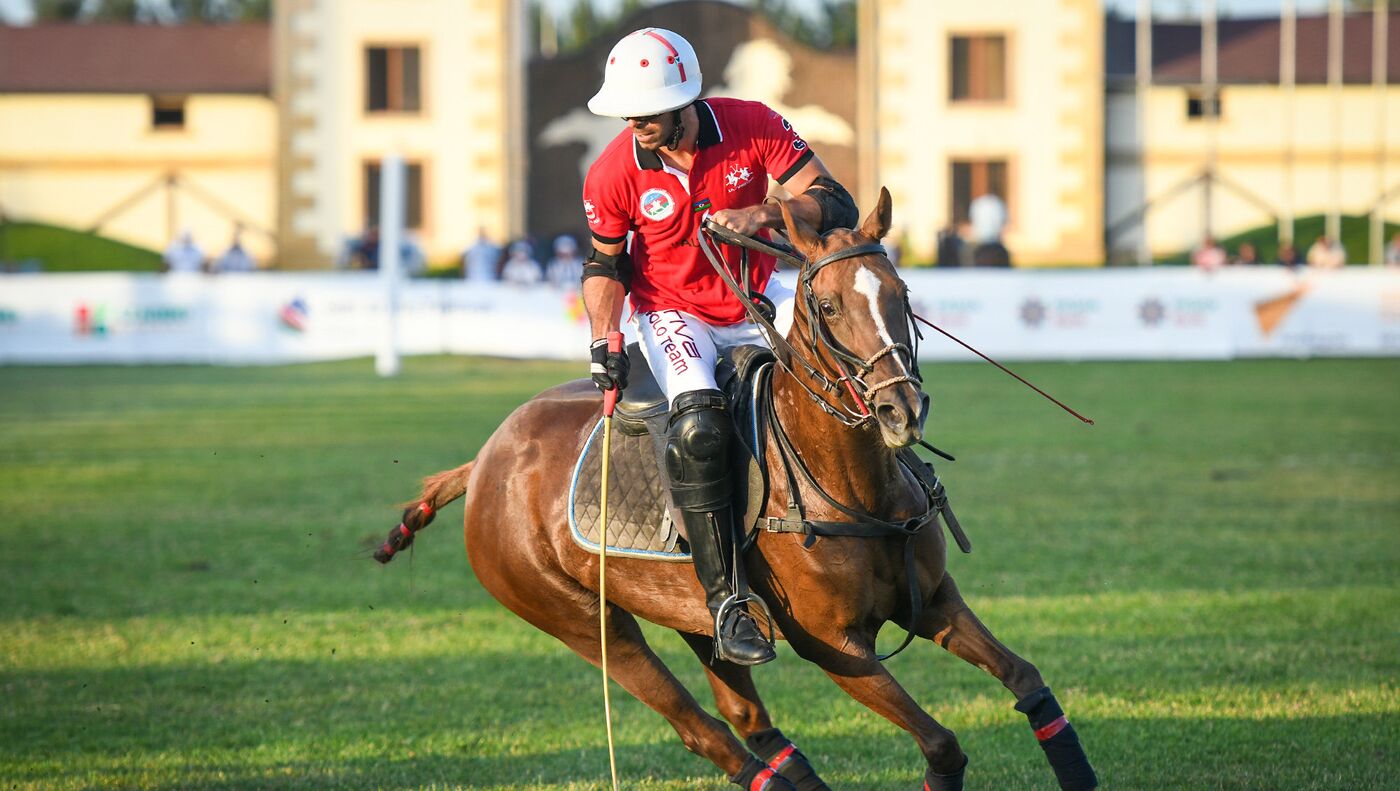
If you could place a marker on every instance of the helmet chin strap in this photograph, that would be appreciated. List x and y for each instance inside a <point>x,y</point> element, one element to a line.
<point>674,141</point>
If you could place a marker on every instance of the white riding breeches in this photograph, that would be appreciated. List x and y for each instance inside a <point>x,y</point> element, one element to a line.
<point>682,350</point>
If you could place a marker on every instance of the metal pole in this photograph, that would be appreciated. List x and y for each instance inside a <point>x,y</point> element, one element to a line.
<point>1144,86</point>
<point>391,218</point>
<point>1288,77</point>
<point>1380,19</point>
<point>1334,87</point>
<point>1210,76</point>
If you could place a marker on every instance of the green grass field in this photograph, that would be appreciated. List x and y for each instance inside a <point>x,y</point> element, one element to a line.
<point>1209,578</point>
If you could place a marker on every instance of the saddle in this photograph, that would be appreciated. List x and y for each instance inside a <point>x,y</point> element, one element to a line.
<point>642,521</point>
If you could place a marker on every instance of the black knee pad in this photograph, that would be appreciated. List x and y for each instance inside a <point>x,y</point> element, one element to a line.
<point>697,451</point>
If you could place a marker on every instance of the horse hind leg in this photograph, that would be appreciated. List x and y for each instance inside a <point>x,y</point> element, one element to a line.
<point>952,624</point>
<point>739,703</point>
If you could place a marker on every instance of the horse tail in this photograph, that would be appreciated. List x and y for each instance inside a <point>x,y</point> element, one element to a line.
<point>438,491</point>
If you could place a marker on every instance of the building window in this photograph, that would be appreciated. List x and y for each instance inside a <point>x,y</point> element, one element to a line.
<point>413,192</point>
<point>392,80</point>
<point>1198,106</point>
<point>977,68</point>
<point>971,179</point>
<point>167,112</point>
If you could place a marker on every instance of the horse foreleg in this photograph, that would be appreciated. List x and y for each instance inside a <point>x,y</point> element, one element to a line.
<point>951,623</point>
<point>851,663</point>
<point>738,702</point>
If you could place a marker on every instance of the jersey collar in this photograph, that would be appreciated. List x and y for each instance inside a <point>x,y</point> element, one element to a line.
<point>709,135</point>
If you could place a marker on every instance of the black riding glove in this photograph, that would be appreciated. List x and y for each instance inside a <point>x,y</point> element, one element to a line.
<point>609,369</point>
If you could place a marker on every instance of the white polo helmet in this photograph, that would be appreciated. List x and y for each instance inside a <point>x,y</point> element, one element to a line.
<point>650,71</point>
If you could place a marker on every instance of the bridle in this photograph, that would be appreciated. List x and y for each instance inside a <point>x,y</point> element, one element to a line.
<point>851,370</point>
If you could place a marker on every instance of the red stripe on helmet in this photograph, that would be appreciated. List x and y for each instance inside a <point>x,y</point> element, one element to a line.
<point>1053,728</point>
<point>680,64</point>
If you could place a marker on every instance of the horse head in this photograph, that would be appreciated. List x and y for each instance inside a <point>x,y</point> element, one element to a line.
<point>853,313</point>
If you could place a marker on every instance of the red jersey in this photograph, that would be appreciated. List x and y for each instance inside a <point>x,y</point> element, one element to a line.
<point>740,145</point>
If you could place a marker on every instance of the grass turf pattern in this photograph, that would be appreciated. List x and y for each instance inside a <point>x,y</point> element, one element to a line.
<point>1207,578</point>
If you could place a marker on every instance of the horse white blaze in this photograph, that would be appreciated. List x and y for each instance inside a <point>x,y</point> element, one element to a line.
<point>868,283</point>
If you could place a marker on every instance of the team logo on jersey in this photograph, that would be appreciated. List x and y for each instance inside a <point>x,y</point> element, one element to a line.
<point>657,204</point>
<point>738,176</point>
<point>590,212</point>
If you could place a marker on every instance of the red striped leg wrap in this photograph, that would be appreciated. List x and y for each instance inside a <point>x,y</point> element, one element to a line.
<point>1055,726</point>
<point>777,761</point>
<point>762,779</point>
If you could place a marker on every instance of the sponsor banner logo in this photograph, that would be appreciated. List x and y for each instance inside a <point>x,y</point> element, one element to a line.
<point>1066,313</point>
<point>94,320</point>
<point>657,204</point>
<point>949,312</point>
<point>294,315</point>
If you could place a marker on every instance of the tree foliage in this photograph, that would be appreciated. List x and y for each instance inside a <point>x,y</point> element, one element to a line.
<point>831,25</point>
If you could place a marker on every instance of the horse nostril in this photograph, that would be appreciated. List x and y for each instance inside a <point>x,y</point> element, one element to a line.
<point>891,417</point>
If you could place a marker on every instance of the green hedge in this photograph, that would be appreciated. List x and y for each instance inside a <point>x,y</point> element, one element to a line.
<point>53,249</point>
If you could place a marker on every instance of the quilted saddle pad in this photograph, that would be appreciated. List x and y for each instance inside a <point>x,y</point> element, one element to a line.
<point>639,522</point>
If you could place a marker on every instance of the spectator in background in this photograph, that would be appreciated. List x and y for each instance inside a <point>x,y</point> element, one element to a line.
<point>1210,256</point>
<point>950,247</point>
<point>521,268</point>
<point>480,260</point>
<point>988,216</point>
<point>364,252</point>
<point>1248,255</point>
<point>1288,256</point>
<point>565,269</point>
<point>235,258</point>
<point>183,255</point>
<point>1392,251</point>
<point>1327,253</point>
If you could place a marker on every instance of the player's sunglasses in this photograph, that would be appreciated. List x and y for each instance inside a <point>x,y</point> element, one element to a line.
<point>642,119</point>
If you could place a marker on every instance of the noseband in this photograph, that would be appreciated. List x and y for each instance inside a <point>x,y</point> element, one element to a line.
<point>851,370</point>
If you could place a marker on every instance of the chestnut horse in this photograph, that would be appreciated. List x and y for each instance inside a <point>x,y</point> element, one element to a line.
<point>828,600</point>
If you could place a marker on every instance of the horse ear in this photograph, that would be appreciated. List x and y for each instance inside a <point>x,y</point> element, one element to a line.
<point>878,223</point>
<point>801,234</point>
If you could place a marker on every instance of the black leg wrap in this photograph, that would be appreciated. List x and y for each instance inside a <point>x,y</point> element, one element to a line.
<point>780,754</point>
<point>1058,740</point>
<point>757,776</point>
<point>937,782</point>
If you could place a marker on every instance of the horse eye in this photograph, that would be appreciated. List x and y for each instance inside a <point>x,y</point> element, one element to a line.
<point>828,309</point>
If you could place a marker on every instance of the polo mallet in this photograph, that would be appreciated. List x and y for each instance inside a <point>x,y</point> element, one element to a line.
<point>609,403</point>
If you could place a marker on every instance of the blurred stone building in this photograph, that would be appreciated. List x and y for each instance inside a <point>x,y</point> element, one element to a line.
<point>141,130</point>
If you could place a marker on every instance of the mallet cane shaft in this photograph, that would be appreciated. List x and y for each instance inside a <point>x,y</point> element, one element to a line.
<point>609,403</point>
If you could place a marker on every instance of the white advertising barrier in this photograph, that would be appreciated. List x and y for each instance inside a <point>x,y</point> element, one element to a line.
<point>1063,315</point>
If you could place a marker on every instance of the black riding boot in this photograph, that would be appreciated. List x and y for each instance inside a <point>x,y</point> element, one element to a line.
<point>737,637</point>
<point>697,462</point>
